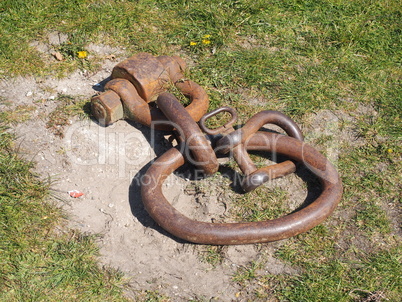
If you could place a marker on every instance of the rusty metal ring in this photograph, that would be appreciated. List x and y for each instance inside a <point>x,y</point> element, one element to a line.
<point>199,100</point>
<point>260,119</point>
<point>247,232</point>
<point>221,129</point>
<point>256,177</point>
<point>189,133</point>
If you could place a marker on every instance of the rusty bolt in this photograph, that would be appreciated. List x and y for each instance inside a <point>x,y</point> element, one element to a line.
<point>139,80</point>
<point>107,107</point>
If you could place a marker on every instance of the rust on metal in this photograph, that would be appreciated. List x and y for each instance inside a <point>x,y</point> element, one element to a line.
<point>247,232</point>
<point>107,107</point>
<point>146,73</point>
<point>189,132</point>
<point>225,129</point>
<point>138,81</point>
<point>138,90</point>
<point>235,139</point>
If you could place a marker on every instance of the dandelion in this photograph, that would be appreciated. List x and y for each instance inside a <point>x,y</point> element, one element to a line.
<point>192,43</point>
<point>206,42</point>
<point>390,151</point>
<point>82,54</point>
<point>206,36</point>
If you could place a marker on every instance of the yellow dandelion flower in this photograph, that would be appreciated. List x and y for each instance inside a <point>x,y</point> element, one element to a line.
<point>206,42</point>
<point>206,36</point>
<point>390,151</point>
<point>82,54</point>
<point>192,43</point>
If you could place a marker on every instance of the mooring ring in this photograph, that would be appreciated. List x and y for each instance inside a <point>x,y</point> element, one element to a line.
<point>245,232</point>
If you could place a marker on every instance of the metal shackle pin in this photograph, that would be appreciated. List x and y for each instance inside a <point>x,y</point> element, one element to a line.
<point>138,81</point>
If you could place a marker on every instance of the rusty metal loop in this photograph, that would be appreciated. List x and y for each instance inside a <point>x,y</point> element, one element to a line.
<point>255,123</point>
<point>138,81</point>
<point>189,132</point>
<point>255,177</point>
<point>197,96</point>
<point>246,232</point>
<point>222,129</point>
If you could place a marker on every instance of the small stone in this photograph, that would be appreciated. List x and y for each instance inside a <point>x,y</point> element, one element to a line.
<point>58,56</point>
<point>29,93</point>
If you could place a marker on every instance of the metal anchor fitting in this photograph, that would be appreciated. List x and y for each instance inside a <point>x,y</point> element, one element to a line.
<point>235,141</point>
<point>143,79</point>
<point>138,81</point>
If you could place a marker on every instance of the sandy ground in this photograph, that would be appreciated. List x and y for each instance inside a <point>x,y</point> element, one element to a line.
<point>105,164</point>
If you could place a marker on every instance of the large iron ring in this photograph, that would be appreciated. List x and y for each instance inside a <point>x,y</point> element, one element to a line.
<point>245,232</point>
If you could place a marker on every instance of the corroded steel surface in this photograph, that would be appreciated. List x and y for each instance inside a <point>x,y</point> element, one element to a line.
<point>234,142</point>
<point>225,129</point>
<point>189,133</point>
<point>256,177</point>
<point>146,73</point>
<point>138,81</point>
<point>138,91</point>
<point>247,232</point>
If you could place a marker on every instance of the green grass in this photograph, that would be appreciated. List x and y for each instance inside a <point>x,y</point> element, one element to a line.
<point>260,206</point>
<point>327,273</point>
<point>212,254</point>
<point>20,113</point>
<point>336,280</point>
<point>299,57</point>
